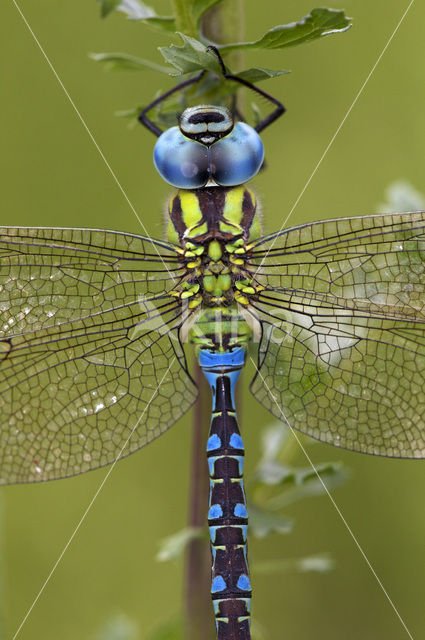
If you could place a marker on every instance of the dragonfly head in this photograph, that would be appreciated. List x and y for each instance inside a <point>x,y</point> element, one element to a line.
<point>208,148</point>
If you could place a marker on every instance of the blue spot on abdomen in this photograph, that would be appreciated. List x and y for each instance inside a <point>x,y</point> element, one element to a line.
<point>236,441</point>
<point>244,583</point>
<point>215,512</point>
<point>218,584</point>
<point>214,442</point>
<point>240,511</point>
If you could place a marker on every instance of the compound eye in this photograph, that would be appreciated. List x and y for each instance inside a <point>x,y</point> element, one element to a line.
<point>237,157</point>
<point>181,162</point>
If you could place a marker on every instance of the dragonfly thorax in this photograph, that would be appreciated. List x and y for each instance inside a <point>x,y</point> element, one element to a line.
<point>222,213</point>
<point>214,227</point>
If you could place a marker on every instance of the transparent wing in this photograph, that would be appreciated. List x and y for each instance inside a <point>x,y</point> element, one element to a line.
<point>342,353</point>
<point>89,349</point>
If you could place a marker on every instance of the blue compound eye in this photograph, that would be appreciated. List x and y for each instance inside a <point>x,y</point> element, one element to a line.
<point>182,162</point>
<point>237,157</point>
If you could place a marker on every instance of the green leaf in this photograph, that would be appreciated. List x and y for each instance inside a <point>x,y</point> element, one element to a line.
<point>138,11</point>
<point>271,472</point>
<point>257,74</point>
<point>191,56</point>
<point>320,563</point>
<point>106,6</point>
<point>172,547</point>
<point>262,522</point>
<point>161,23</point>
<point>126,62</point>
<point>318,23</point>
<point>304,483</point>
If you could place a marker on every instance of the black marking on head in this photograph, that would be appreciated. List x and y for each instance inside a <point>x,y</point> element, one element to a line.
<point>206,116</point>
<point>206,123</point>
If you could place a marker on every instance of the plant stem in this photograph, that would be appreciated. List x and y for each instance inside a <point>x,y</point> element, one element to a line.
<point>185,21</point>
<point>224,24</point>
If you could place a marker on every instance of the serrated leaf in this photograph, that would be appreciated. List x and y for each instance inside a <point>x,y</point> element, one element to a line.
<point>172,547</point>
<point>107,6</point>
<point>126,62</point>
<point>191,56</point>
<point>320,563</point>
<point>318,23</point>
<point>263,522</point>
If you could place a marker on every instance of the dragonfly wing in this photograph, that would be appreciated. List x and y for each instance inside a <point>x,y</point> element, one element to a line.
<point>91,367</point>
<point>342,353</point>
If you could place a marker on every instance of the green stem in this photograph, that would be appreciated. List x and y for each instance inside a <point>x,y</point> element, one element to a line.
<point>226,23</point>
<point>185,21</point>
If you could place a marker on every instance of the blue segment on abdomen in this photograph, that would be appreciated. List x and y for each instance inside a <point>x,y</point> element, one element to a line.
<point>214,359</point>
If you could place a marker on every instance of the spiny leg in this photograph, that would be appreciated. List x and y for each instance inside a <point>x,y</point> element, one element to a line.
<point>279,107</point>
<point>143,118</point>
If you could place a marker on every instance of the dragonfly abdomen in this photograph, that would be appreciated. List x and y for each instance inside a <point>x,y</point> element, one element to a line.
<point>227,516</point>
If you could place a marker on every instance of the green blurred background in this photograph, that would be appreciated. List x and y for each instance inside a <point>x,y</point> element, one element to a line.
<point>52,175</point>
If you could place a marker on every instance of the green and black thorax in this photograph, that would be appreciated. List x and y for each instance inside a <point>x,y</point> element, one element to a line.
<point>214,227</point>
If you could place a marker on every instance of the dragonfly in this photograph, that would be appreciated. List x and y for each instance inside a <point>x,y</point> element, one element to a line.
<point>94,326</point>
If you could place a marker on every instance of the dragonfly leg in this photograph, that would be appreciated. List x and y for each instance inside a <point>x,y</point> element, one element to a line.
<point>227,515</point>
<point>143,117</point>
<point>279,107</point>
